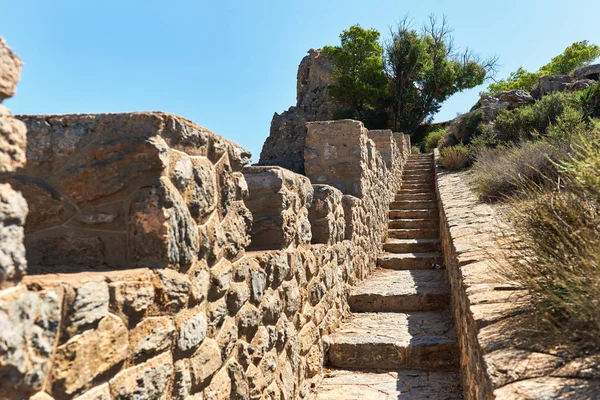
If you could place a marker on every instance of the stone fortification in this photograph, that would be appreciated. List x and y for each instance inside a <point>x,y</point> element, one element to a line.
<point>161,267</point>
<point>285,145</point>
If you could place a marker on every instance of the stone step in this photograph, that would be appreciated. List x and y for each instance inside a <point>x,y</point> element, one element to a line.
<point>424,181</point>
<point>412,245</point>
<point>420,214</point>
<point>417,174</point>
<point>407,204</point>
<point>413,233</point>
<point>413,340</point>
<point>413,223</point>
<point>416,196</point>
<point>405,191</point>
<point>418,164</point>
<point>401,291</point>
<point>406,261</point>
<point>419,185</point>
<point>389,385</point>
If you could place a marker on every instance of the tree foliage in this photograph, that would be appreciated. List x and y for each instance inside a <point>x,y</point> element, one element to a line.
<point>426,69</point>
<point>577,55</point>
<point>360,81</point>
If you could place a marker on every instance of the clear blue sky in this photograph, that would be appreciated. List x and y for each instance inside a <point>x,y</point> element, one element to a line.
<point>229,65</point>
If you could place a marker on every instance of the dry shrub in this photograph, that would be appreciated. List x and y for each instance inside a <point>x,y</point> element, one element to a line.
<point>501,171</point>
<point>455,157</point>
<point>558,232</point>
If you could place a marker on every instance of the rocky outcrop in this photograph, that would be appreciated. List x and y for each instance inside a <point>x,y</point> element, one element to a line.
<point>285,145</point>
<point>587,72</point>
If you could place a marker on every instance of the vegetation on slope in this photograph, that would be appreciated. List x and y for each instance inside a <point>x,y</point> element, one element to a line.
<point>577,55</point>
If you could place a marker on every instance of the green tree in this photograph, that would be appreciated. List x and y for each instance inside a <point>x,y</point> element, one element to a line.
<point>577,55</point>
<point>426,69</point>
<point>360,80</point>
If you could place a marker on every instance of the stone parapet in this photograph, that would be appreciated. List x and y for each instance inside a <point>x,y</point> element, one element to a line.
<point>127,190</point>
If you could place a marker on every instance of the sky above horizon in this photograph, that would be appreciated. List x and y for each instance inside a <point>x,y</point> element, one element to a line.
<point>228,66</point>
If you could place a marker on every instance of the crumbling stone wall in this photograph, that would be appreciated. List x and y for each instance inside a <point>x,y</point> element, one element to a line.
<point>140,283</point>
<point>285,145</point>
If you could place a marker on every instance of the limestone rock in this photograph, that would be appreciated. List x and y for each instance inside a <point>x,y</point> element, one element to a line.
<point>90,306</point>
<point>192,332</point>
<point>29,323</point>
<point>150,380</point>
<point>10,71</point>
<point>12,138</point>
<point>84,357</point>
<point>150,337</point>
<point>13,210</point>
<point>205,362</point>
<point>587,72</point>
<point>101,392</point>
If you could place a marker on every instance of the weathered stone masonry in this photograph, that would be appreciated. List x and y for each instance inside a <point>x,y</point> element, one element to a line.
<point>140,283</point>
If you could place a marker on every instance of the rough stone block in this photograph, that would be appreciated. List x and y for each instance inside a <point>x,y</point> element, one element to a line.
<point>10,70</point>
<point>337,154</point>
<point>279,201</point>
<point>29,323</point>
<point>13,210</point>
<point>326,215</point>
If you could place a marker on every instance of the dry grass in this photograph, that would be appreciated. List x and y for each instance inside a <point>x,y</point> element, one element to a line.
<point>558,248</point>
<point>502,171</point>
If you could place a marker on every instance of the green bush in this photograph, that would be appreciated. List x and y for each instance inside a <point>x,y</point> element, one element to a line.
<point>415,150</point>
<point>455,157</point>
<point>527,122</point>
<point>556,251</point>
<point>433,139</point>
<point>589,100</point>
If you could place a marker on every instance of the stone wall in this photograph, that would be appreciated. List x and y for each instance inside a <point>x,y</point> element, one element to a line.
<point>140,283</point>
<point>502,354</point>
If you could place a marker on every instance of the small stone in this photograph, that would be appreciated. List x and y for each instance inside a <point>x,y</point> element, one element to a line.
<point>291,295</point>
<point>150,337</point>
<point>176,286</point>
<point>249,318</point>
<point>205,362</point>
<point>101,392</point>
<point>220,278</point>
<point>192,332</point>
<point>145,381</point>
<point>238,295</point>
<point>219,387</point>
<point>90,305</point>
<point>84,357</point>
<point>258,280</point>
<point>271,308</point>
<point>183,379</point>
<point>278,269</point>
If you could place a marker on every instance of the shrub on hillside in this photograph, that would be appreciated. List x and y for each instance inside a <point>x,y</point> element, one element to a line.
<point>455,157</point>
<point>433,139</point>
<point>415,150</point>
<point>558,253</point>
<point>501,171</point>
<point>533,120</point>
<point>589,100</point>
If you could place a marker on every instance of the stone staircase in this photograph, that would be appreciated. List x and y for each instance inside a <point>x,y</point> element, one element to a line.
<point>400,342</point>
